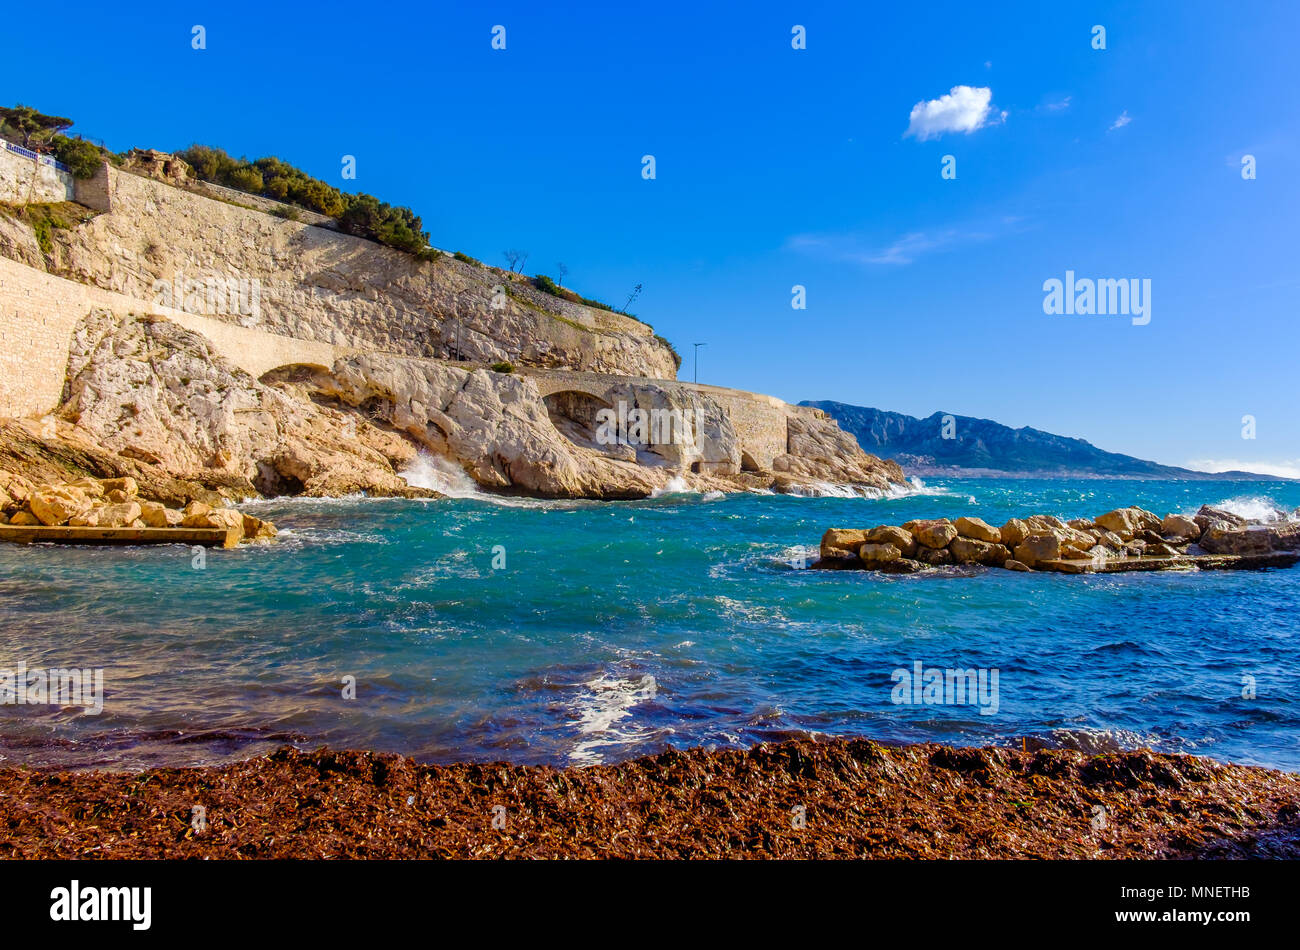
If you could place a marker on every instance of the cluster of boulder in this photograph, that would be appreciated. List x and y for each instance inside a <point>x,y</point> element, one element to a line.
<point>112,503</point>
<point>1126,538</point>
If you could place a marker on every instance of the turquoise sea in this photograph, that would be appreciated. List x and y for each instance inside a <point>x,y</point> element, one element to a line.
<point>609,630</point>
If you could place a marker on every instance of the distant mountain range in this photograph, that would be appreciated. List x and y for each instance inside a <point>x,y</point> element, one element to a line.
<point>985,447</point>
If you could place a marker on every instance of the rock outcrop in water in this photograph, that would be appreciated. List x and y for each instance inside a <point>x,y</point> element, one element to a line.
<point>1125,539</point>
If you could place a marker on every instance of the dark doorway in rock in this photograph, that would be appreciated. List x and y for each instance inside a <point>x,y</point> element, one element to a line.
<point>747,463</point>
<point>695,468</point>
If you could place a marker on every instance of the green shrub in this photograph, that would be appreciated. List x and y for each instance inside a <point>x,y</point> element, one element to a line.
<point>286,211</point>
<point>677,357</point>
<point>360,215</point>
<point>502,367</point>
<point>467,259</point>
<point>547,286</point>
<point>82,158</point>
<point>247,179</point>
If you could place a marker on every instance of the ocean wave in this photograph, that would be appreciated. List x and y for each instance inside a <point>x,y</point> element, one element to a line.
<point>1256,508</point>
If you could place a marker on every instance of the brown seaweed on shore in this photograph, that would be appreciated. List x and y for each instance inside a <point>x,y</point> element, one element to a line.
<point>802,799</point>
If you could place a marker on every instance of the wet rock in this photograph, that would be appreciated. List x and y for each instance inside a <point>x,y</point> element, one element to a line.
<point>971,551</point>
<point>902,565</point>
<point>1208,514</point>
<point>1037,548</point>
<point>934,557</point>
<point>875,555</point>
<point>842,543</point>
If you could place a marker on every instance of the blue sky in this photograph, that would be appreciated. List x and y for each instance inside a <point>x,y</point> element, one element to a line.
<point>778,167</point>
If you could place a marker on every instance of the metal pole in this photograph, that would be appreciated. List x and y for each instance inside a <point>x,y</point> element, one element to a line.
<point>697,361</point>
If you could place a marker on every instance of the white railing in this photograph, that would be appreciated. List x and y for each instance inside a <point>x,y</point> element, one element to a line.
<point>34,156</point>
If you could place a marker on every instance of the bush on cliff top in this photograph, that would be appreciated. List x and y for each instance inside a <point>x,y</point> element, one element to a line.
<point>361,215</point>
<point>38,132</point>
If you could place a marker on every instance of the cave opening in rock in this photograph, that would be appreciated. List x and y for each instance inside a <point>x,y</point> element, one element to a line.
<point>275,484</point>
<point>574,415</point>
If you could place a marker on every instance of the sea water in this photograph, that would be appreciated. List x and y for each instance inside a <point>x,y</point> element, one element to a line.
<point>477,629</point>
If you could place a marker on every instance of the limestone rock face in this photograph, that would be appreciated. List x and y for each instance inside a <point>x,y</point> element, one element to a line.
<point>842,542</point>
<point>1014,531</point>
<point>970,551</point>
<point>874,555</point>
<point>318,284</point>
<point>1180,526</point>
<point>819,450</point>
<point>933,533</point>
<point>119,515</point>
<point>1128,520</point>
<point>978,529</point>
<point>1038,547</point>
<point>150,390</point>
<point>495,425</point>
<point>55,506</point>
<point>898,537</point>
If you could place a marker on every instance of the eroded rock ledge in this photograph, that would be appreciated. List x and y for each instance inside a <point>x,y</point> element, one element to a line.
<point>1126,539</point>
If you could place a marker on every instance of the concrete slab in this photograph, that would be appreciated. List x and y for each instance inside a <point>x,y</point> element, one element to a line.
<point>207,537</point>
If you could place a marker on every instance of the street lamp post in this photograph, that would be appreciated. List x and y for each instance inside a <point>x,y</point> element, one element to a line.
<point>697,361</point>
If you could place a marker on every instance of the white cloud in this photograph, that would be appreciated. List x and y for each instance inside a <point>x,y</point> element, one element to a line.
<point>1286,468</point>
<point>1059,106</point>
<point>964,109</point>
<point>1119,123</point>
<point>859,249</point>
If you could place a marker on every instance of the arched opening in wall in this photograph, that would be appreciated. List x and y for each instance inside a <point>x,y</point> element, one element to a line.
<point>747,463</point>
<point>695,468</point>
<point>294,373</point>
<point>573,413</point>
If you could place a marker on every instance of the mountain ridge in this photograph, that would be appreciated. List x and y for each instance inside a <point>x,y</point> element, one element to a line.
<point>984,447</point>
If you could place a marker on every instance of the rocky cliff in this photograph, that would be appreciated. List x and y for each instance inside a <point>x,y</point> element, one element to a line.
<point>145,389</point>
<point>314,283</point>
<point>248,399</point>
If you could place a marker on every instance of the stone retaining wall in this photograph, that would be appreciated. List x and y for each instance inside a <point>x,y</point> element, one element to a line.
<point>24,181</point>
<point>39,311</point>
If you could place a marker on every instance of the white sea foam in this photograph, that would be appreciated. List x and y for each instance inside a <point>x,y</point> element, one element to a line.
<point>446,477</point>
<point>599,711</point>
<point>1255,508</point>
<point>675,486</point>
<point>440,475</point>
